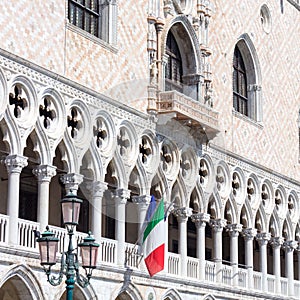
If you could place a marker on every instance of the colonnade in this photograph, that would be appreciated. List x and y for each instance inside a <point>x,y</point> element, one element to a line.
<point>44,173</point>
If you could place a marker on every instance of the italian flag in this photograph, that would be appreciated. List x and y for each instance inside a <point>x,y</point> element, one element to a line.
<point>154,238</point>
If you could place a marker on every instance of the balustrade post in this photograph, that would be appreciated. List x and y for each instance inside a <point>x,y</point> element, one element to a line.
<point>276,243</point>
<point>249,234</point>
<point>289,248</point>
<point>120,198</point>
<point>217,227</point>
<point>44,173</point>
<point>234,230</point>
<point>14,165</point>
<point>200,221</point>
<point>263,239</point>
<point>182,215</point>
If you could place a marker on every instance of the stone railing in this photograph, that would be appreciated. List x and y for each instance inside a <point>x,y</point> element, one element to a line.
<point>108,251</point>
<point>174,264</point>
<point>210,271</point>
<point>193,267</point>
<point>108,255</point>
<point>26,233</point>
<point>189,109</point>
<point>3,228</point>
<point>132,256</point>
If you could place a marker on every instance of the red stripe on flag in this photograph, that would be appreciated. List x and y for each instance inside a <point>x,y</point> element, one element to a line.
<point>155,260</point>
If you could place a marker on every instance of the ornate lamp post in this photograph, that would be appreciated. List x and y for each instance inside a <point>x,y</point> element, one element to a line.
<point>48,245</point>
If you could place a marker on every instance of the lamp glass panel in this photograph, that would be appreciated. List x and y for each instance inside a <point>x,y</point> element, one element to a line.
<point>89,256</point>
<point>70,211</point>
<point>48,250</point>
<point>76,212</point>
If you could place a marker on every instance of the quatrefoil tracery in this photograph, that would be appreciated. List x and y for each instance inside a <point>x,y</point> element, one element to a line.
<point>16,98</point>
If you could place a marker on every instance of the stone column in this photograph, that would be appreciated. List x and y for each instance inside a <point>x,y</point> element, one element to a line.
<point>97,189</point>
<point>233,230</point>
<point>182,215</point>
<point>289,248</point>
<point>14,165</point>
<point>142,203</point>
<point>298,256</point>
<point>72,182</point>
<point>44,173</point>
<point>276,243</point>
<point>120,198</point>
<point>161,79</point>
<point>263,239</point>
<point>217,227</point>
<point>249,234</point>
<point>200,221</point>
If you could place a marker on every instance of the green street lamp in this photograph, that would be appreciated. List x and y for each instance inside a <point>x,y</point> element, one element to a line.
<point>48,245</point>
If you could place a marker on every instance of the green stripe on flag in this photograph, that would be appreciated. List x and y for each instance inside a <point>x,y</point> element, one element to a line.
<point>157,217</point>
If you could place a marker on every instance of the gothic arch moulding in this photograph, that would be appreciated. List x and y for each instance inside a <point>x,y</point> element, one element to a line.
<point>127,291</point>
<point>23,273</point>
<point>187,39</point>
<point>171,294</point>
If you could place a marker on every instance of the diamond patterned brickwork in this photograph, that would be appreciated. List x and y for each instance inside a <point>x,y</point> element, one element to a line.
<point>274,144</point>
<point>34,30</point>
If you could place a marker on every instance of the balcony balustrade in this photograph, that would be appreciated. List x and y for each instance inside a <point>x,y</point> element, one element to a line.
<point>188,111</point>
<point>108,257</point>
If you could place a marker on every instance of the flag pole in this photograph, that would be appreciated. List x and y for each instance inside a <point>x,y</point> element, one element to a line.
<point>141,233</point>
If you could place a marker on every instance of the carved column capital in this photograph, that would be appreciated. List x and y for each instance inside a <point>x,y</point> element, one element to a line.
<point>72,181</point>
<point>289,246</point>
<point>15,163</point>
<point>142,200</point>
<point>234,229</point>
<point>121,196</point>
<point>44,173</point>
<point>263,238</point>
<point>200,219</point>
<point>276,242</point>
<point>182,213</point>
<point>218,224</point>
<point>249,233</point>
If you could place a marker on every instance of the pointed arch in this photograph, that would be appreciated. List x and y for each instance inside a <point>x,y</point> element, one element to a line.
<point>230,211</point>
<point>180,48</point>
<point>288,229</point>
<point>274,225</point>
<point>245,52</point>
<point>25,275</point>
<point>260,220</point>
<point>171,294</point>
<point>178,193</point>
<point>128,291</point>
<point>246,216</point>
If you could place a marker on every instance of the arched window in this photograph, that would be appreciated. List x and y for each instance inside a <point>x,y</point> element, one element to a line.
<point>173,72</point>
<point>247,96</point>
<point>240,96</point>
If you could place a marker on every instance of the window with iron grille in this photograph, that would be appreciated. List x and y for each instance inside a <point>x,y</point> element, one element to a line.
<point>85,15</point>
<point>240,97</point>
<point>97,17</point>
<point>173,72</point>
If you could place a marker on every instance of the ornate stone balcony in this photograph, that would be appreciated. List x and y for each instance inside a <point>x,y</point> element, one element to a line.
<point>189,111</point>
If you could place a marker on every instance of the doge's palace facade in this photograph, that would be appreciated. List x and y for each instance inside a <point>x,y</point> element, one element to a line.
<point>195,102</point>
